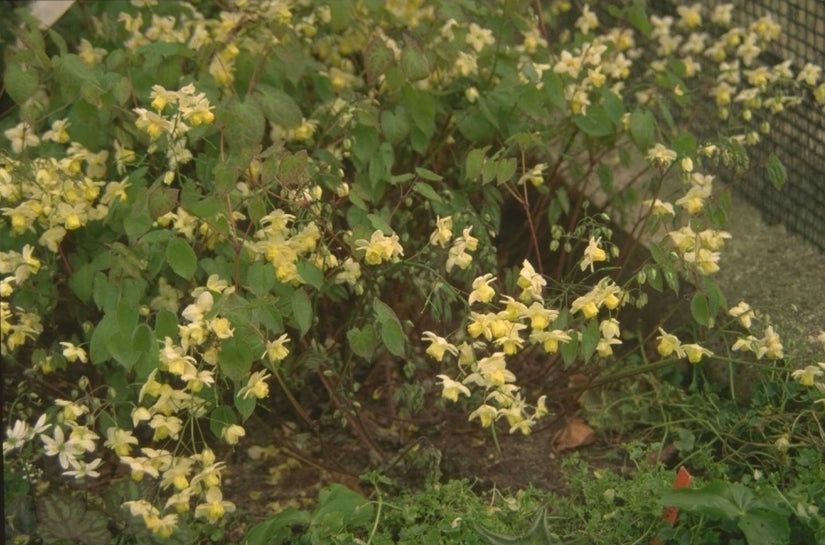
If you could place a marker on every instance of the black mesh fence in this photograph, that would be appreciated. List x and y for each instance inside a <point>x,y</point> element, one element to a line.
<point>797,135</point>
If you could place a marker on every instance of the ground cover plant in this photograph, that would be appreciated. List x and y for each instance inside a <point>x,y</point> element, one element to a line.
<point>375,224</point>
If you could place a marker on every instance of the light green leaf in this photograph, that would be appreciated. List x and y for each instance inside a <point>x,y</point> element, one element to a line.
<point>310,274</point>
<point>181,257</point>
<point>506,169</point>
<point>474,162</point>
<point>20,83</point>
<point>363,341</point>
<point>428,175</point>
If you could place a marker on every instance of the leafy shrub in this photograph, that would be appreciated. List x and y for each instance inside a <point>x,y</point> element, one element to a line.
<point>200,199</point>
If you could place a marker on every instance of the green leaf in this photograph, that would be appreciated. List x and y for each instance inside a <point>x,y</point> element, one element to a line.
<point>363,341</point>
<point>395,124</point>
<point>569,350</point>
<point>20,83</point>
<point>278,107</point>
<point>777,174</point>
<point>638,17</point>
<point>310,274</point>
<point>589,339</point>
<point>340,508</point>
<point>428,175</point>
<point>699,309</point>
<point>719,500</point>
<point>414,62</point>
<point>506,169</point>
<point>392,334</point>
<point>763,527</point>
<point>243,124</point>
<point>181,257</point>
<point>474,162</point>
<point>145,346</point>
<point>378,57</point>
<point>643,129</point>
<point>166,324</point>
<point>245,406</point>
<point>81,282</point>
<point>277,529</point>
<point>235,358</point>
<point>301,310</point>
<point>426,191</point>
<point>220,418</point>
<point>67,518</point>
<point>596,123</point>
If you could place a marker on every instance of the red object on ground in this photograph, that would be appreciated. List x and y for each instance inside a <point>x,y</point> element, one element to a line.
<point>683,479</point>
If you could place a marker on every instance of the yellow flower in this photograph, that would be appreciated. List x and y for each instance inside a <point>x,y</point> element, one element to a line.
<point>550,339</point>
<point>452,388</point>
<point>482,292</point>
<point>694,352</point>
<point>438,346</point>
<point>256,386</point>
<point>22,136</point>
<point>220,327</point>
<point>215,506</point>
<point>232,433</point>
<point>443,231</point>
<point>668,344</point>
<point>661,156</point>
<point>119,440</point>
<point>486,415</point>
<point>73,353</point>
<point>809,375</point>
<point>276,350</point>
<point>593,254</point>
<point>379,248</point>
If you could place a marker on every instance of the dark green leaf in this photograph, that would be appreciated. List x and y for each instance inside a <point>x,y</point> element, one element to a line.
<point>66,518</point>
<point>589,339</point>
<point>413,61</point>
<point>378,57</point>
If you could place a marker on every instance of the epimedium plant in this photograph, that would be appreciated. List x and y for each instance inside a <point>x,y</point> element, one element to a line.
<point>200,200</point>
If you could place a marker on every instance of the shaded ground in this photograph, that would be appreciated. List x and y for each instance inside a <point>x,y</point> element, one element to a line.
<point>773,271</point>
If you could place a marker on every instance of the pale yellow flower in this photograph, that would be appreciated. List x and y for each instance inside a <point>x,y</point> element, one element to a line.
<point>452,388</point>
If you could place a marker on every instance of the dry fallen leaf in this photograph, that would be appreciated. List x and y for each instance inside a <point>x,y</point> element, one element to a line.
<point>575,434</point>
